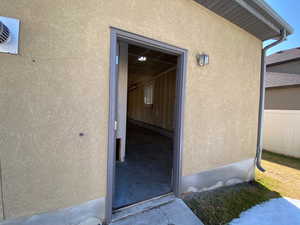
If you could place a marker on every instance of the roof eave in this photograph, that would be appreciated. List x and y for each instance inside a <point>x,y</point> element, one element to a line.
<point>289,29</point>
<point>254,16</point>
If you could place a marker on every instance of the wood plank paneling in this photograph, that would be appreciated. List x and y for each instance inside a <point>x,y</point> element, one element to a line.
<point>161,113</point>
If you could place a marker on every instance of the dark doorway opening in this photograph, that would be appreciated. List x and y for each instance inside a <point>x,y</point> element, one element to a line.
<point>144,165</point>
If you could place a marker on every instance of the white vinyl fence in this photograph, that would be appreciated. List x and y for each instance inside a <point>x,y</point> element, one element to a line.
<point>282,132</point>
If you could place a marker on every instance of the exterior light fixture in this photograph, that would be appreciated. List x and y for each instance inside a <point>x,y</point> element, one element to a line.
<point>9,35</point>
<point>142,58</point>
<point>202,59</point>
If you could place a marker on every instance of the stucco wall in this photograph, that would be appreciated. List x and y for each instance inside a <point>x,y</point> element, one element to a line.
<point>1,199</point>
<point>285,98</point>
<point>57,87</point>
<point>282,131</point>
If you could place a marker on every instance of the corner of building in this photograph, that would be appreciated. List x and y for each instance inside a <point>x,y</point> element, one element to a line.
<point>2,217</point>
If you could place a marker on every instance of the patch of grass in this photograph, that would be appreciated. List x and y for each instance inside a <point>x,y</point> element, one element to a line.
<point>220,206</point>
<point>282,174</point>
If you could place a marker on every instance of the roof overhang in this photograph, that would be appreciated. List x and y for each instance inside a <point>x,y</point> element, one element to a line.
<point>254,16</point>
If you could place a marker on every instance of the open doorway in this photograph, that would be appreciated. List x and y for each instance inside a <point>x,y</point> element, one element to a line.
<point>118,39</point>
<point>145,134</point>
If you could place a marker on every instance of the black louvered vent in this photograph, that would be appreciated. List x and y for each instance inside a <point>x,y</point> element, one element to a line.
<point>4,33</point>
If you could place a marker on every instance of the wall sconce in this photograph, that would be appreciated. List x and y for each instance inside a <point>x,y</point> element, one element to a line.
<point>202,59</point>
<point>9,35</point>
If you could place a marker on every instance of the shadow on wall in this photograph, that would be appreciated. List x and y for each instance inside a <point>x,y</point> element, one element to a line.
<point>281,159</point>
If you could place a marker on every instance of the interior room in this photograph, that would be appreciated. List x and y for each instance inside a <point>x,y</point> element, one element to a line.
<point>144,151</point>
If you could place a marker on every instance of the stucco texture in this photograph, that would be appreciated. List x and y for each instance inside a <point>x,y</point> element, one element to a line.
<point>57,87</point>
<point>1,200</point>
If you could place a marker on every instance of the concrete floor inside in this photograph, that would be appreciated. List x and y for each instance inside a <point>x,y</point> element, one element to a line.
<point>146,171</point>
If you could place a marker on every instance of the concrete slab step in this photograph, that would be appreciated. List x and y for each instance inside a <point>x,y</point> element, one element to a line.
<point>174,212</point>
<point>142,206</point>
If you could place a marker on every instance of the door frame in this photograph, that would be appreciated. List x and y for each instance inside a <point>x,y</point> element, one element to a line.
<point>117,35</point>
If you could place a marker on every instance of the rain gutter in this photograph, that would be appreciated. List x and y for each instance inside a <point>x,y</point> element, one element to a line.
<point>262,100</point>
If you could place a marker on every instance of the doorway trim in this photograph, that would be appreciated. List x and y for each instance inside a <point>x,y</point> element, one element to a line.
<point>117,35</point>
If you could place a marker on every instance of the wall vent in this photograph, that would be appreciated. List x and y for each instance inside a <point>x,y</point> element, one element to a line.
<point>9,35</point>
<point>4,33</point>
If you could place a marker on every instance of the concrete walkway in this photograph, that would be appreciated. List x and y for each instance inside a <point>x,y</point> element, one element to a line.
<point>172,213</point>
<point>279,211</point>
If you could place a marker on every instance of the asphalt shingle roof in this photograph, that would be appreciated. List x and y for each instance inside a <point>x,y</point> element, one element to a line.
<point>282,56</point>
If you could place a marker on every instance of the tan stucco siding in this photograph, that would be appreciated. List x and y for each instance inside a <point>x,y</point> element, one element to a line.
<point>57,87</point>
<point>1,195</point>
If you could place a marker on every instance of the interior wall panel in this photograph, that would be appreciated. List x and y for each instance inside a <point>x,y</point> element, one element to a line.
<point>161,112</point>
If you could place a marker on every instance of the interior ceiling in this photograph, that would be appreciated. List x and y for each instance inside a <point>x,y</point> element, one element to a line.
<point>156,63</point>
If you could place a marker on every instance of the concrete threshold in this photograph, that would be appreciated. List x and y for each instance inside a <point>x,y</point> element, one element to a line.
<point>142,207</point>
<point>165,210</point>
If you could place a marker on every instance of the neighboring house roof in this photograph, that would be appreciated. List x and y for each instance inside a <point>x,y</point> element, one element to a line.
<point>281,79</point>
<point>283,56</point>
<point>254,16</point>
